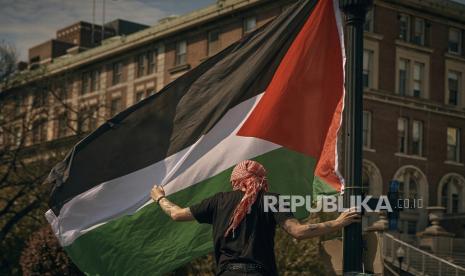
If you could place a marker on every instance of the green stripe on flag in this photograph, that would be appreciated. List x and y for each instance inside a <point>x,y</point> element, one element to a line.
<point>149,243</point>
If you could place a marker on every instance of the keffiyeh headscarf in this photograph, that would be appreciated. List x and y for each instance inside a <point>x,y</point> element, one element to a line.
<point>249,176</point>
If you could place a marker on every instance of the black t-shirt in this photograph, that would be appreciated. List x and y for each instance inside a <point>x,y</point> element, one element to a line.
<point>253,240</point>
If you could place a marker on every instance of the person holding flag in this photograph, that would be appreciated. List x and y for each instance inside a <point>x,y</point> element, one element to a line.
<point>243,233</point>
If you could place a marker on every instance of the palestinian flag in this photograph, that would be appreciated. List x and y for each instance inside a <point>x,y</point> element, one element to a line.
<point>275,96</point>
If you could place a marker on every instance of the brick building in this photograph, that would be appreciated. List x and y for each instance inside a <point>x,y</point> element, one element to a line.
<point>414,77</point>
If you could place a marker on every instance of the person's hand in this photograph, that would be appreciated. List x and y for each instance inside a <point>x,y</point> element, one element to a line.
<point>157,192</point>
<point>348,216</point>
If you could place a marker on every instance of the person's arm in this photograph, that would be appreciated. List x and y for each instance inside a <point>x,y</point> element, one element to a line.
<point>302,231</point>
<point>174,211</point>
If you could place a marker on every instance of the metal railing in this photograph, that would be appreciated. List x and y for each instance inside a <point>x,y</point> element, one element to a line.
<point>417,261</point>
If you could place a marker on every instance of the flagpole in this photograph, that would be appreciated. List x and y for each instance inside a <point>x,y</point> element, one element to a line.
<point>354,11</point>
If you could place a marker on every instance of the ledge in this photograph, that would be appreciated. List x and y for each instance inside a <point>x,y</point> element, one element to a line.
<point>373,36</point>
<point>179,68</point>
<point>412,46</point>
<point>369,149</point>
<point>448,162</point>
<point>416,157</point>
<point>454,57</point>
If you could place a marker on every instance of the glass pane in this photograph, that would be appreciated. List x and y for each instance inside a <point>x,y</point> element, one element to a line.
<point>417,71</point>
<point>249,24</point>
<point>452,136</point>
<point>454,35</point>
<point>401,124</point>
<point>181,47</point>
<point>416,130</point>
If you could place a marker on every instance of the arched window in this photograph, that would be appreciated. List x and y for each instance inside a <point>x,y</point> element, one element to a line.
<point>365,182</point>
<point>372,182</point>
<point>408,184</point>
<point>451,189</point>
<point>413,187</point>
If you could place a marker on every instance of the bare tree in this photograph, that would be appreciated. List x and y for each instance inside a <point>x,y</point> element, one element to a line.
<point>8,60</point>
<point>40,121</point>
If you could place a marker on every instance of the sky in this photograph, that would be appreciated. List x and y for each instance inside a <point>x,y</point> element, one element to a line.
<point>26,23</point>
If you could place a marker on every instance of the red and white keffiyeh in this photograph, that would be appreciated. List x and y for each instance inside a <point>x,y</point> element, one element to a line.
<point>248,176</point>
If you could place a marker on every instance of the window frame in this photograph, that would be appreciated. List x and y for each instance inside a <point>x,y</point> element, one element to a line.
<point>117,73</point>
<point>420,80</point>
<point>367,133</point>
<point>141,65</point>
<point>456,146</point>
<point>407,27</point>
<point>403,144</point>
<point>459,42</point>
<point>420,138</point>
<point>458,97</point>
<point>406,86</point>
<point>213,50</point>
<point>152,64</point>
<point>370,63</point>
<point>115,110</point>
<point>245,25</point>
<point>422,36</point>
<point>368,26</point>
<point>181,52</point>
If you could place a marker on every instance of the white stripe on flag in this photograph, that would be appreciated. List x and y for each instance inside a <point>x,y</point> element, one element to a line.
<point>215,152</point>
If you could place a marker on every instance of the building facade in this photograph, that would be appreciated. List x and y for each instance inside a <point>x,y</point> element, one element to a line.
<point>414,97</point>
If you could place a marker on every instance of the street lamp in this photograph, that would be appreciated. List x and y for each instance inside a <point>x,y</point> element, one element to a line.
<point>400,252</point>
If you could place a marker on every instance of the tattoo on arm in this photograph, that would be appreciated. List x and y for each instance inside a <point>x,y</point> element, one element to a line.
<point>308,230</point>
<point>174,211</point>
<point>168,206</point>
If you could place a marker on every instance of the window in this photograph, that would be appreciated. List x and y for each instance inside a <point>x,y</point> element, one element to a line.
<point>411,227</point>
<point>402,133</point>
<point>417,138</point>
<point>95,80</point>
<point>116,106</point>
<point>61,92</point>
<point>453,144</point>
<point>403,76</point>
<point>152,61</point>
<point>419,32</point>
<point>404,27</point>
<point>408,184</point>
<point>367,129</point>
<point>62,127</point>
<point>418,69</point>
<point>213,42</point>
<point>140,65</point>
<point>455,41</point>
<point>181,50</point>
<point>15,137</point>
<point>85,83</point>
<point>451,195</point>
<point>146,63</point>
<point>117,76</point>
<point>368,26</point>
<point>140,96</point>
<point>250,23</point>
<point>17,102</point>
<point>367,68</point>
<point>88,118</point>
<point>453,82</point>
<point>40,98</point>
<point>39,131</point>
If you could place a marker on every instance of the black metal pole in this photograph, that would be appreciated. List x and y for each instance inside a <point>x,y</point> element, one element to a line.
<point>354,11</point>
